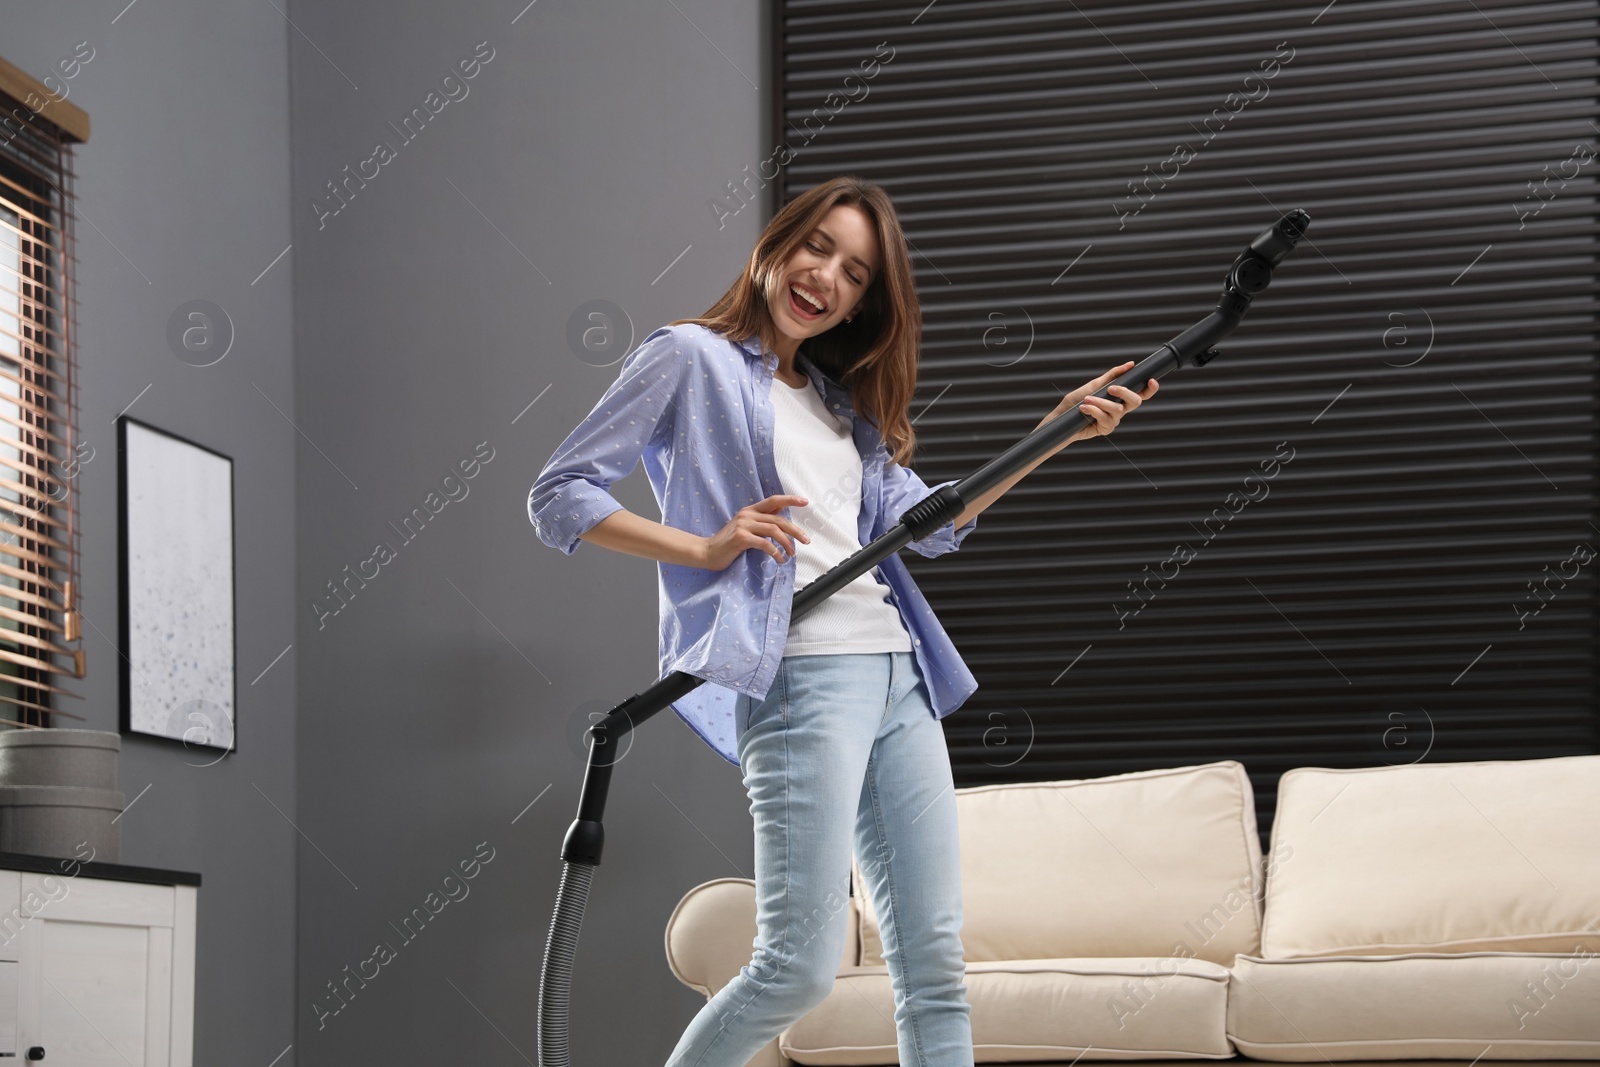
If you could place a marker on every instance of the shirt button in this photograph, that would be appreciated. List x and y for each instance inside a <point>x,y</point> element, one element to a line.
<point>916,640</point>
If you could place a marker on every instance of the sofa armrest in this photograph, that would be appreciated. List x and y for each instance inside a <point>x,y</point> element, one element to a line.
<point>711,934</point>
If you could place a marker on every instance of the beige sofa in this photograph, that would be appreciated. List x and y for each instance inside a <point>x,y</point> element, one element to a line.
<point>1438,911</point>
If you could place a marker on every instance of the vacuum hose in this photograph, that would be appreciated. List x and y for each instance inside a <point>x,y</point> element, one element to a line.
<point>1249,274</point>
<point>555,980</point>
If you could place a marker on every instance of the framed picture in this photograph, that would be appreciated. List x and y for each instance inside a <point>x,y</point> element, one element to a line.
<point>175,531</point>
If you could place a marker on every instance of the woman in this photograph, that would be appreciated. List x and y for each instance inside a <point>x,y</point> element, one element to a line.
<point>766,428</point>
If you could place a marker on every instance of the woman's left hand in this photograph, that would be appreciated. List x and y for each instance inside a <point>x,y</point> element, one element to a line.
<point>1104,413</point>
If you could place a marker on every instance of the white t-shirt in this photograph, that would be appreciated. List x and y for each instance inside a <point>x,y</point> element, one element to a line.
<point>816,458</point>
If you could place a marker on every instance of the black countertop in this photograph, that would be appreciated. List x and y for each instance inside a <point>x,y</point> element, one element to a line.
<point>116,872</point>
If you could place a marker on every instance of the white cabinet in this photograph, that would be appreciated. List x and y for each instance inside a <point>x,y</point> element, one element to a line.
<point>95,971</point>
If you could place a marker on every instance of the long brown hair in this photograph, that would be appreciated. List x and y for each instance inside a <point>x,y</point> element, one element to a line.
<point>874,355</point>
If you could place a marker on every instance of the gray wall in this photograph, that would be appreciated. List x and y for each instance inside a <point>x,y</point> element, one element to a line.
<point>438,702</point>
<point>184,194</point>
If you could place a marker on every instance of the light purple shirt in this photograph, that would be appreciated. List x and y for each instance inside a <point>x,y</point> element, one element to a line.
<point>696,407</point>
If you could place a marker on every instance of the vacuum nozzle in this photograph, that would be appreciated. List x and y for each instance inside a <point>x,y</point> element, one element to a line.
<point>1252,271</point>
<point>1279,239</point>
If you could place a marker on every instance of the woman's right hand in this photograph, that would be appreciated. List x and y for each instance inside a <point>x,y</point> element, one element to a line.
<point>755,526</point>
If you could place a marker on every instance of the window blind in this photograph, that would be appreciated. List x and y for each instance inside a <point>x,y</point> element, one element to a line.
<point>1361,536</point>
<point>39,539</point>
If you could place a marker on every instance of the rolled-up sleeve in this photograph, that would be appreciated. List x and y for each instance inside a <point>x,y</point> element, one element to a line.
<point>572,492</point>
<point>901,489</point>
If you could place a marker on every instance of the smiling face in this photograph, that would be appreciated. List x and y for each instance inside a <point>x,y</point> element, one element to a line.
<point>834,266</point>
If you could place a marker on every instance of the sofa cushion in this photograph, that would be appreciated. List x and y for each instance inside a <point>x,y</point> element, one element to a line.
<point>1500,855</point>
<point>1036,1011</point>
<point>1447,1006</point>
<point>1149,864</point>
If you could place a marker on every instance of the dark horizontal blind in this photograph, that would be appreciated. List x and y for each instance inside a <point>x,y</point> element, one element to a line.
<point>1362,535</point>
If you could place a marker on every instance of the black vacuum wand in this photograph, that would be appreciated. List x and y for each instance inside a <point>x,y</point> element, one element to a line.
<point>580,851</point>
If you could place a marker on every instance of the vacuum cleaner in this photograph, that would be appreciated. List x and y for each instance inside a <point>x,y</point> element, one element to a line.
<point>1250,273</point>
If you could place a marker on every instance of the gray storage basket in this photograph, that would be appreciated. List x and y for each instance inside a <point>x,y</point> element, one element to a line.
<point>59,757</point>
<point>58,820</point>
<point>58,792</point>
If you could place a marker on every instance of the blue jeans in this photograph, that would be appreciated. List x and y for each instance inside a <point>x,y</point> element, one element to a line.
<point>845,753</point>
